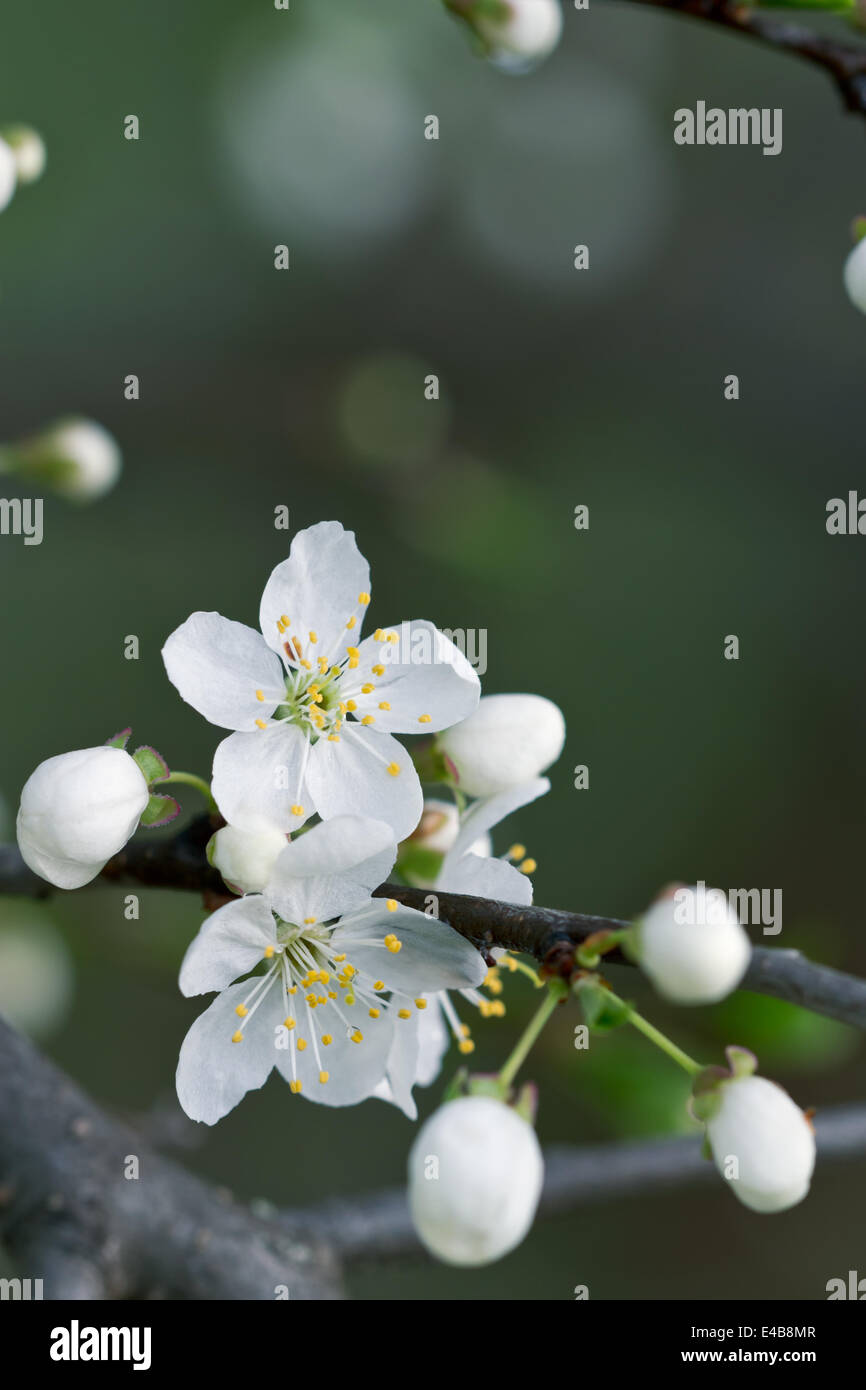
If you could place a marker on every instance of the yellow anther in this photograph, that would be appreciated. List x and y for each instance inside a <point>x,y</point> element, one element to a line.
<point>301,1044</point>
<point>423,718</point>
<point>349,971</point>
<point>516,852</point>
<point>349,999</point>
<point>327,1039</point>
<point>332,994</point>
<point>394,946</point>
<point>374,1013</point>
<point>403,1013</point>
<point>314,637</point>
<point>289,1023</point>
<point>241,1011</point>
<point>351,623</point>
<point>261,724</point>
<point>351,706</point>
<point>380,984</point>
<point>307,665</point>
<point>465,1029</point>
<point>311,1000</point>
<point>269,951</point>
<point>392,905</point>
<point>323,974</point>
<point>392,637</point>
<point>323,1076</point>
<point>378,670</point>
<point>322,999</point>
<point>237,1037</point>
<point>353,663</point>
<point>353,651</point>
<point>293,989</point>
<point>333,738</point>
<point>337,959</point>
<point>528,866</point>
<point>420,1003</point>
<point>383,704</point>
<point>297,810</point>
<point>285,621</point>
<point>357,1036</point>
<point>260,695</point>
<point>309,921</point>
<point>295,1087</point>
<point>323,665</point>
<point>281,627</point>
<point>367,688</point>
<point>343,707</point>
<point>364,598</point>
<point>467,1045</point>
<point>368,719</point>
<point>378,635</point>
<point>394,769</point>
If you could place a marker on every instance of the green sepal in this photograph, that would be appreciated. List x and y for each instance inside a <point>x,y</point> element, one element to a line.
<point>152,764</point>
<point>432,765</point>
<point>119,740</point>
<point>630,943</point>
<point>525,1102</point>
<point>741,1061</point>
<point>601,1010</point>
<point>456,1086</point>
<point>706,1097</point>
<point>159,811</point>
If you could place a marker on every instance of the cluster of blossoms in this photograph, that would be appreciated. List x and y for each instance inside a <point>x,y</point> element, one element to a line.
<point>347,993</point>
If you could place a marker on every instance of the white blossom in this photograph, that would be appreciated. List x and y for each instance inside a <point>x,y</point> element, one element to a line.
<point>8,174</point>
<point>762,1143</point>
<point>692,946</point>
<point>508,741</point>
<point>77,810</point>
<point>313,714</point>
<point>475,1177</point>
<point>854,275</point>
<point>246,858</point>
<point>342,976</point>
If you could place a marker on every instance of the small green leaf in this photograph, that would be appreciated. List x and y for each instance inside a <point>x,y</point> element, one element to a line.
<point>159,811</point>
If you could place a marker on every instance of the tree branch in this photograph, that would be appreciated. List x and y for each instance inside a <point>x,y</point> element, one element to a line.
<point>548,934</point>
<point>844,62</point>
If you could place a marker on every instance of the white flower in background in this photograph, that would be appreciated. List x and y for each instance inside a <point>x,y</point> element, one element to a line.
<point>28,150</point>
<point>517,34</point>
<point>37,973</point>
<point>77,810</point>
<point>762,1143</point>
<point>8,174</point>
<point>314,707</point>
<point>464,869</point>
<point>854,273</point>
<point>692,946</point>
<point>506,742</point>
<point>475,1177</point>
<point>75,457</point>
<point>333,994</point>
<point>246,858</point>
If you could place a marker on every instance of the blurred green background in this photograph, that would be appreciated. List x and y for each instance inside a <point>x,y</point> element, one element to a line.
<point>305,388</point>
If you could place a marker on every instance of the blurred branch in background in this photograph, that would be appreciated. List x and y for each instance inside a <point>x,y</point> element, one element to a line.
<point>72,1215</point>
<point>845,62</point>
<point>549,935</point>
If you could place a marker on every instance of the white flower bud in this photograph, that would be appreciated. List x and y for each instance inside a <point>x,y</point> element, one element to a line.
<point>77,810</point>
<point>80,458</point>
<point>692,946</point>
<point>507,740</point>
<point>854,276</point>
<point>438,827</point>
<point>245,858</point>
<point>8,174</point>
<point>28,149</point>
<point>475,1177</point>
<point>523,34</point>
<point>762,1143</point>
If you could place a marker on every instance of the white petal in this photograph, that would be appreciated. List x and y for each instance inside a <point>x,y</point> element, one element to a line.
<point>218,665</point>
<point>488,811</point>
<point>354,1069</point>
<point>317,589</point>
<point>255,778</point>
<point>228,944</point>
<point>213,1073</point>
<point>486,878</point>
<point>426,677</point>
<point>331,869</point>
<point>352,778</point>
<point>432,956</point>
<point>434,1039</point>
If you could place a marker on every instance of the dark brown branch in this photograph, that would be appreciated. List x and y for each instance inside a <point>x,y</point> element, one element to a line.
<point>549,935</point>
<point>845,62</point>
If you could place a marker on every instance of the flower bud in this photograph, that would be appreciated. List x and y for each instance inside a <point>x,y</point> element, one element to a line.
<point>475,1177</point>
<point>8,174</point>
<point>28,150</point>
<point>77,810</point>
<point>245,858</point>
<point>692,946</point>
<point>762,1143</point>
<point>854,274</point>
<point>507,741</point>
<point>438,827</point>
<point>516,34</point>
<point>76,457</point>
